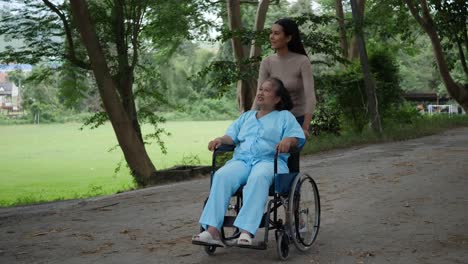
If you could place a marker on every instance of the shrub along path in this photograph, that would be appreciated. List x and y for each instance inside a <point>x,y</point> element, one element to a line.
<point>400,202</point>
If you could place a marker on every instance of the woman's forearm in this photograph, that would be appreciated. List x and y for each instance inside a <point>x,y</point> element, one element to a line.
<point>307,119</point>
<point>226,140</point>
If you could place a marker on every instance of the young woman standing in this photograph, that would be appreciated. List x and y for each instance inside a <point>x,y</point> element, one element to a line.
<point>291,65</point>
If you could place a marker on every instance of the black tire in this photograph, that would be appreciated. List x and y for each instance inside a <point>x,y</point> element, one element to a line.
<point>304,212</point>
<point>282,244</point>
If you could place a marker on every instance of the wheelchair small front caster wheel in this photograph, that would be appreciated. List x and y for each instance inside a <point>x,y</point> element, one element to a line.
<point>282,244</point>
<point>210,250</point>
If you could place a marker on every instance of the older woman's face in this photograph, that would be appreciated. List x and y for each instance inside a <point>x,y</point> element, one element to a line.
<point>266,96</point>
<point>278,38</point>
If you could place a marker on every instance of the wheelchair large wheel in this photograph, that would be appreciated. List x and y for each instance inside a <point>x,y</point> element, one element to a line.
<point>304,211</point>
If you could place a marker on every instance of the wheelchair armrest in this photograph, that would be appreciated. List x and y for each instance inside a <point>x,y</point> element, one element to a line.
<point>225,148</point>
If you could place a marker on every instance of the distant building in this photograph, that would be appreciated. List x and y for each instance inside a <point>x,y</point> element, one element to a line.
<point>432,103</point>
<point>10,94</point>
<point>425,98</point>
<point>9,97</point>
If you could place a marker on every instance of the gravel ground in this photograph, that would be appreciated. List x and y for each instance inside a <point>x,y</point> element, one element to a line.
<point>400,202</point>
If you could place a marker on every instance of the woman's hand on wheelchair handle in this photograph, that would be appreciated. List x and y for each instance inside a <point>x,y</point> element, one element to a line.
<point>285,145</point>
<point>215,143</point>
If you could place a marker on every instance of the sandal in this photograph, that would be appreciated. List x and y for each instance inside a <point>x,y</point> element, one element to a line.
<point>244,239</point>
<point>205,239</point>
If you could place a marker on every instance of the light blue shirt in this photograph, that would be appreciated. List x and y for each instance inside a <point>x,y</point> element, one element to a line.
<point>256,139</point>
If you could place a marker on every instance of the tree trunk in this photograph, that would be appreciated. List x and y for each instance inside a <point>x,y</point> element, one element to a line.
<point>372,103</point>
<point>462,58</point>
<point>457,91</point>
<point>235,24</point>
<point>353,48</point>
<point>246,89</point>
<point>132,147</point>
<point>124,77</point>
<point>256,50</point>
<point>342,29</point>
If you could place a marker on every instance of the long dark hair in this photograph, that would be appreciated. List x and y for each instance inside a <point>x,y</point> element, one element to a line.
<point>290,28</point>
<point>285,103</point>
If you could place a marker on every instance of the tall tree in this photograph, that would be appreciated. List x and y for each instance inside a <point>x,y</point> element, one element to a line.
<point>341,26</point>
<point>112,34</point>
<point>116,94</point>
<point>372,104</point>
<point>353,52</point>
<point>246,88</point>
<point>421,11</point>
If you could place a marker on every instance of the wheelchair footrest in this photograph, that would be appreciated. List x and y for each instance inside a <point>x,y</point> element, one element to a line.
<point>260,245</point>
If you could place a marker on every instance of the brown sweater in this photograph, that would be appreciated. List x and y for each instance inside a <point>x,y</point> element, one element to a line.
<point>295,72</point>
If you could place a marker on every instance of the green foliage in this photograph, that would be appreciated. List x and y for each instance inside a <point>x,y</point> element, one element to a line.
<point>223,108</point>
<point>318,41</point>
<point>325,119</point>
<point>95,120</point>
<point>418,68</point>
<point>37,27</point>
<point>190,159</point>
<point>401,115</point>
<point>387,78</point>
<point>423,125</point>
<point>49,117</point>
<point>224,71</point>
<point>223,74</point>
<point>77,89</point>
<point>387,22</point>
<point>343,93</point>
<point>450,19</point>
<point>348,88</point>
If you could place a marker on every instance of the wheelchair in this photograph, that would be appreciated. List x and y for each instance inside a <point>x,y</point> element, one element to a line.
<point>295,192</point>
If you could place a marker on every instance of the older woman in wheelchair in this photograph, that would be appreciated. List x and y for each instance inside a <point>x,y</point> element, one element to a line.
<point>262,139</point>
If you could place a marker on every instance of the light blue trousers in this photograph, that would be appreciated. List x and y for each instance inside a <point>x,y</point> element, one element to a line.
<point>257,180</point>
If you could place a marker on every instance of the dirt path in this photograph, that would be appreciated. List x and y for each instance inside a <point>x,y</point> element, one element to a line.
<point>402,202</point>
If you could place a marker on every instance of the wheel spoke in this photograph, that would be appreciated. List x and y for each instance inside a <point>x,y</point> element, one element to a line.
<point>304,212</point>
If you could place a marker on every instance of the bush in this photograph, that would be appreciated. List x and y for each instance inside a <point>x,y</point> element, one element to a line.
<point>402,114</point>
<point>326,117</point>
<point>387,79</point>
<point>59,116</point>
<point>343,93</point>
<point>205,109</point>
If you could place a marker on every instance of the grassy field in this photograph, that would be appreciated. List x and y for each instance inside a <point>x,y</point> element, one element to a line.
<point>59,161</point>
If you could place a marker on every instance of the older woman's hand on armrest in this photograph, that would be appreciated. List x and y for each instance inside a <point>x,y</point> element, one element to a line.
<point>286,144</point>
<point>215,143</point>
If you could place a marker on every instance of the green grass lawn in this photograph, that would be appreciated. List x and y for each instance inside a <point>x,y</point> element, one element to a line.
<point>59,161</point>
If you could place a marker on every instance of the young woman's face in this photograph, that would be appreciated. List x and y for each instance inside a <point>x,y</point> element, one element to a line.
<point>278,38</point>
<point>266,96</point>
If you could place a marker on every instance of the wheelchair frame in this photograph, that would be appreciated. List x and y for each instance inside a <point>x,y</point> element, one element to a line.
<point>284,194</point>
